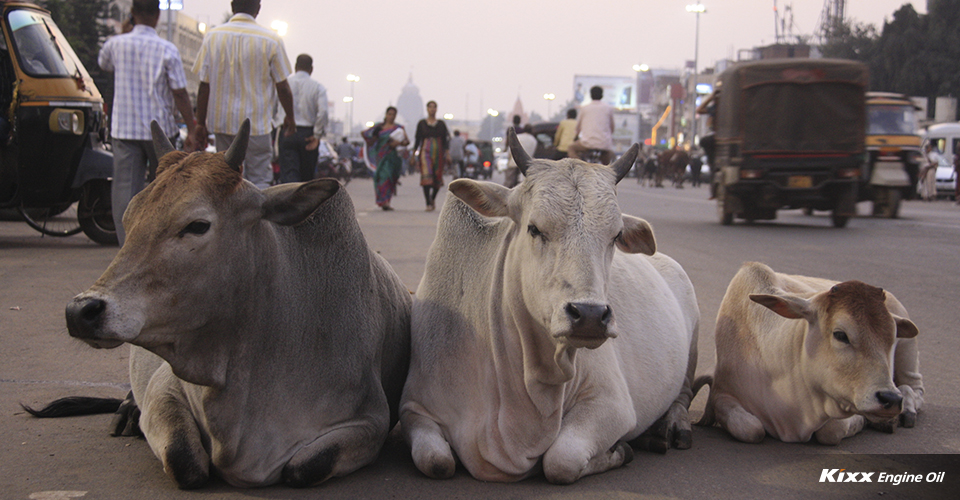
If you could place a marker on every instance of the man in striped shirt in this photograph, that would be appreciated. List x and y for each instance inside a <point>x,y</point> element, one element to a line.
<point>243,70</point>
<point>149,82</point>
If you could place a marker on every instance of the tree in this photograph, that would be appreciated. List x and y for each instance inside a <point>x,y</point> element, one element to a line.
<point>82,24</point>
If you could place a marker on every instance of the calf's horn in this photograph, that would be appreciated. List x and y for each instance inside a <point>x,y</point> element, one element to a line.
<point>161,144</point>
<point>519,155</point>
<point>238,150</point>
<point>623,165</point>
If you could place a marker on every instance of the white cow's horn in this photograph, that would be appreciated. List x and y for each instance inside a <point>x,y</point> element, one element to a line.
<point>238,150</point>
<point>519,155</point>
<point>623,165</point>
<point>161,144</point>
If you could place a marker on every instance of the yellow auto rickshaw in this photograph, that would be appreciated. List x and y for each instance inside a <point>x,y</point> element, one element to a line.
<point>54,168</point>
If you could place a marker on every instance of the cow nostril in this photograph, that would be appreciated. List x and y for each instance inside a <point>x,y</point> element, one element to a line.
<point>607,316</point>
<point>889,399</point>
<point>92,310</point>
<point>573,312</point>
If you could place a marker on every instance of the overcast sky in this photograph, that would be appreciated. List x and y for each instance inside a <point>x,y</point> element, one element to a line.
<point>474,55</point>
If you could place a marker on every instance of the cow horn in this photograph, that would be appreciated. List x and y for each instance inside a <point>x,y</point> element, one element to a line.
<point>161,144</point>
<point>238,150</point>
<point>623,165</point>
<point>519,155</point>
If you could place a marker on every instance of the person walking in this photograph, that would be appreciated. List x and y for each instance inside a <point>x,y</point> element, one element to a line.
<point>149,84</point>
<point>431,149</point>
<point>566,134</point>
<point>529,144</point>
<point>382,140</point>
<point>928,175</point>
<point>456,154</point>
<point>298,152</point>
<point>595,128</point>
<point>243,70</point>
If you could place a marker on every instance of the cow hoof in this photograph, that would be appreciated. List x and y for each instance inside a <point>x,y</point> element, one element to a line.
<point>908,419</point>
<point>317,469</point>
<point>126,420</point>
<point>624,448</point>
<point>683,440</point>
<point>887,426</point>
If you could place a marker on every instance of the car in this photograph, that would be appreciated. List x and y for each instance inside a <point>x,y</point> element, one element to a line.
<point>946,179</point>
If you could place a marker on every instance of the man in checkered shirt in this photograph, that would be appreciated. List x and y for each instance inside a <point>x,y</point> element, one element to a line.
<point>149,82</point>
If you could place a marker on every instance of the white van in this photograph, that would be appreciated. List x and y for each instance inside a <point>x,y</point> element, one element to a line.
<point>946,137</point>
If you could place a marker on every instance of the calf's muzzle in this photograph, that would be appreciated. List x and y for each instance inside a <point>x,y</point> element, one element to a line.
<point>588,320</point>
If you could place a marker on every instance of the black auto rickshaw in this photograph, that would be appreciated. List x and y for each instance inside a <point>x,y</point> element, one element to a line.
<point>54,169</point>
<point>790,133</point>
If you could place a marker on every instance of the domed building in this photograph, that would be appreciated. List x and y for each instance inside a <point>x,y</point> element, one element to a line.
<point>410,106</point>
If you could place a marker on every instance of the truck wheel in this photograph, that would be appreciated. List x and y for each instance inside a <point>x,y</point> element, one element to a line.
<point>94,212</point>
<point>723,210</point>
<point>839,220</point>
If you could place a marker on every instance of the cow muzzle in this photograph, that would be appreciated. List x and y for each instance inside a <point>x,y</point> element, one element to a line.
<point>589,324</point>
<point>85,322</point>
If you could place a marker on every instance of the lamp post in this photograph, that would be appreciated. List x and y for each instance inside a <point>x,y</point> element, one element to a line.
<point>698,9</point>
<point>280,27</point>
<point>170,6</point>
<point>640,69</point>
<point>549,98</point>
<point>352,79</point>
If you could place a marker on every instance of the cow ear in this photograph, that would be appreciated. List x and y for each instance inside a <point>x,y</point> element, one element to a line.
<point>487,198</point>
<point>906,329</point>
<point>637,236</point>
<point>290,204</point>
<point>788,306</point>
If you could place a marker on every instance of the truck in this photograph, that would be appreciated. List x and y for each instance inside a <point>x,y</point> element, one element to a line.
<point>789,134</point>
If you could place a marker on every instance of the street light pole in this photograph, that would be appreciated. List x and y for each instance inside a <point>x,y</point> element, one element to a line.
<point>549,98</point>
<point>639,69</point>
<point>352,79</point>
<point>698,9</point>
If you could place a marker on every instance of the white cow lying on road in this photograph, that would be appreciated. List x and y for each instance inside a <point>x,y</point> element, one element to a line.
<point>800,357</point>
<point>269,342</point>
<point>539,336</point>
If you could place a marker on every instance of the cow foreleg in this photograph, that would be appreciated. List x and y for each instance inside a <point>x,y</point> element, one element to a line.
<point>338,452</point>
<point>173,435</point>
<point>837,429</point>
<point>735,419</point>
<point>582,447</point>
<point>430,451</point>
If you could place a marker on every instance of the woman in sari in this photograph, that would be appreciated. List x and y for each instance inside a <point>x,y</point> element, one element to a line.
<point>431,146</point>
<point>382,140</point>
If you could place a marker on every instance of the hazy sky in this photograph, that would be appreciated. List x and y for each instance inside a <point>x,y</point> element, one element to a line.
<point>474,55</point>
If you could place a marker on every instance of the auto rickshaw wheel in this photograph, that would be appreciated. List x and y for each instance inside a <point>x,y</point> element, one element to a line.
<point>95,214</point>
<point>54,221</point>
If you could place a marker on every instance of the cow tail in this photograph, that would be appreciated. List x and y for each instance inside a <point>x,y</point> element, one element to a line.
<point>708,418</point>
<point>74,406</point>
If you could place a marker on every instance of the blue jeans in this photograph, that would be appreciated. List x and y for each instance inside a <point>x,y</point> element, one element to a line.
<point>296,163</point>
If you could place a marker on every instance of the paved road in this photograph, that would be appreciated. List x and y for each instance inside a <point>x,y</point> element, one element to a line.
<point>915,257</point>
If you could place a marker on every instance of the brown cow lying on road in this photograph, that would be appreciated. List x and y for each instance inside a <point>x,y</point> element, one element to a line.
<point>799,357</point>
<point>269,342</point>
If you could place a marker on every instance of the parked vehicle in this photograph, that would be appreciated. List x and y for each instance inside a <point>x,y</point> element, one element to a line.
<point>946,137</point>
<point>893,153</point>
<point>53,167</point>
<point>790,133</point>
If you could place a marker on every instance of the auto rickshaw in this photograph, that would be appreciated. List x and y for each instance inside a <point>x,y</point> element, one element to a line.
<point>790,133</point>
<point>892,167</point>
<point>54,169</point>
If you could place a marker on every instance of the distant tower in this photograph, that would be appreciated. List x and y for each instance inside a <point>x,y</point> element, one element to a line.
<point>410,105</point>
<point>831,19</point>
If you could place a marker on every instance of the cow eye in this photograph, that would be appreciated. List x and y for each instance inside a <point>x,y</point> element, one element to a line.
<point>841,337</point>
<point>619,237</point>
<point>534,231</point>
<point>197,227</point>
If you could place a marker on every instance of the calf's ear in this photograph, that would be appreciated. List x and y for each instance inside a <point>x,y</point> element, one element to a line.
<point>637,236</point>
<point>906,329</point>
<point>290,204</point>
<point>788,306</point>
<point>486,198</point>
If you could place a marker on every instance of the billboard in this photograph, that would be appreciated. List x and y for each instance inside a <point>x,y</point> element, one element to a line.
<point>618,91</point>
